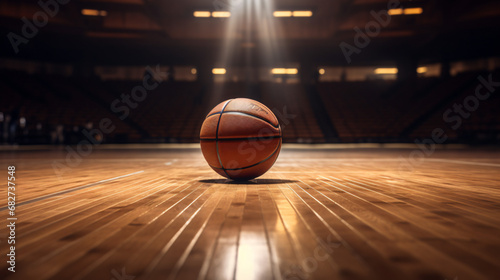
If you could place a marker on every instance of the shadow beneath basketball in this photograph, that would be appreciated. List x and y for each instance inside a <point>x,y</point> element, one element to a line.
<point>250,182</point>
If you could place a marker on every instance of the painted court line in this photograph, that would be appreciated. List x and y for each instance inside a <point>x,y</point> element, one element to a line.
<point>71,190</point>
<point>465,162</point>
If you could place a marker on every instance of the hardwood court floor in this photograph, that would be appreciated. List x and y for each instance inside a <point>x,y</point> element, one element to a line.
<point>318,214</point>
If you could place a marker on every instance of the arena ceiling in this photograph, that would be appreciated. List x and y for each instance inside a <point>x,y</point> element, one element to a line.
<point>159,31</point>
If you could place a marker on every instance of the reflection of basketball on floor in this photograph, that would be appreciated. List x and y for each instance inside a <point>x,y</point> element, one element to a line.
<point>240,139</point>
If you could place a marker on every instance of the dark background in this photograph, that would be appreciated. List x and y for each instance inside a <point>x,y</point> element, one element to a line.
<point>68,72</point>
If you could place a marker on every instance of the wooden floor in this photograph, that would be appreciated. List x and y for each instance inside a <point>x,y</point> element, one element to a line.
<point>318,214</point>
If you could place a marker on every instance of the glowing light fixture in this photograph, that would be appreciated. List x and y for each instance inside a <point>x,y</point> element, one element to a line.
<point>394,12</point>
<point>202,14</point>
<point>292,13</point>
<point>278,71</point>
<point>284,71</point>
<point>221,14</point>
<point>194,71</point>
<point>407,11</point>
<point>282,13</point>
<point>94,13</point>
<point>421,70</point>
<point>322,71</point>
<point>386,71</point>
<point>302,13</point>
<point>219,71</point>
<point>413,11</point>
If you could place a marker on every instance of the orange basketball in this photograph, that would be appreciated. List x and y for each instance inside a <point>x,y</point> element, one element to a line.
<point>240,139</point>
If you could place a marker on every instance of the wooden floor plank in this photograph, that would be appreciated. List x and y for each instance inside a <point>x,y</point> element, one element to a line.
<point>196,263</point>
<point>253,260</point>
<point>111,244</point>
<point>223,262</point>
<point>394,230</point>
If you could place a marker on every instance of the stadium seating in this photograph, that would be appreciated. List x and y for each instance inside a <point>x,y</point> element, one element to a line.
<point>367,111</point>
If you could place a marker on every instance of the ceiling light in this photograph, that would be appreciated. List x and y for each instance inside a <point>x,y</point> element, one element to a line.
<point>394,12</point>
<point>94,13</point>
<point>204,14</point>
<point>413,11</point>
<point>421,70</point>
<point>221,14</point>
<point>282,13</point>
<point>284,71</point>
<point>386,71</point>
<point>219,71</point>
<point>302,13</point>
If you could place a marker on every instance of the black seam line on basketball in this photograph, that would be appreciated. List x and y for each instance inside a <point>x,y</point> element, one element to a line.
<point>241,139</point>
<point>245,114</point>
<point>71,190</point>
<point>264,160</point>
<point>217,137</point>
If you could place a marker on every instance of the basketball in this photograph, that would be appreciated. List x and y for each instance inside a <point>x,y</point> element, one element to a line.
<point>240,139</point>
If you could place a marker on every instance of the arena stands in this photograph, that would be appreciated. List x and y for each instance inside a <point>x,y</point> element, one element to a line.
<point>367,111</point>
